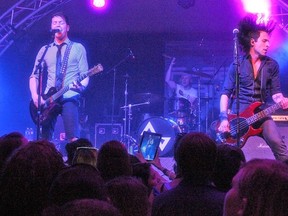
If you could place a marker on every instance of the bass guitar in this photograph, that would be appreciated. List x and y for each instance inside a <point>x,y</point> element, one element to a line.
<point>50,105</point>
<point>246,121</point>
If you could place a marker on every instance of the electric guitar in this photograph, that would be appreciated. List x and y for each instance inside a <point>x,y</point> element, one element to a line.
<point>51,106</point>
<point>246,119</point>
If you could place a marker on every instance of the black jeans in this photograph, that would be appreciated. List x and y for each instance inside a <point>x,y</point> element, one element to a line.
<point>70,115</point>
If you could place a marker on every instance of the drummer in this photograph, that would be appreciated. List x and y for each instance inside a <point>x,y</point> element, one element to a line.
<point>184,89</point>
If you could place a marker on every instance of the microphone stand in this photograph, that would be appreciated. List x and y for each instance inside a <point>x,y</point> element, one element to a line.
<point>236,65</point>
<point>114,68</point>
<point>39,70</point>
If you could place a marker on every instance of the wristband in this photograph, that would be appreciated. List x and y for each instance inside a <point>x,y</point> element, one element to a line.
<point>223,116</point>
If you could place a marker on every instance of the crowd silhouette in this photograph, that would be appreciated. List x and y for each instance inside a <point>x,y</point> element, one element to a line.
<point>35,179</point>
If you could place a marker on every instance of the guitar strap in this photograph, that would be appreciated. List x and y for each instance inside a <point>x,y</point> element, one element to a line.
<point>65,63</point>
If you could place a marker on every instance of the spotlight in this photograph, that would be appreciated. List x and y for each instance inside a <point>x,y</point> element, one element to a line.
<point>186,3</point>
<point>99,3</point>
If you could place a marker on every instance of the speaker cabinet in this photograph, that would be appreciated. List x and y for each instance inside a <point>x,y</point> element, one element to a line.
<point>107,132</point>
<point>256,147</point>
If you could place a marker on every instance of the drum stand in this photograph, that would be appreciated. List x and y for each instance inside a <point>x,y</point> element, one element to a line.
<point>199,108</point>
<point>126,137</point>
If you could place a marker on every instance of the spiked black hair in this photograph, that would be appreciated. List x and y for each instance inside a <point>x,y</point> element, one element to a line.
<point>249,28</point>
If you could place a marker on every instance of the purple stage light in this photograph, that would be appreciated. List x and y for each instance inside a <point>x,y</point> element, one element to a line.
<point>99,3</point>
<point>262,7</point>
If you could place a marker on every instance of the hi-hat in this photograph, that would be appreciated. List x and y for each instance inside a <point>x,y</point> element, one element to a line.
<point>197,72</point>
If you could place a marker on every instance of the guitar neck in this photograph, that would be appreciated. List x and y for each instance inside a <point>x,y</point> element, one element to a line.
<point>262,114</point>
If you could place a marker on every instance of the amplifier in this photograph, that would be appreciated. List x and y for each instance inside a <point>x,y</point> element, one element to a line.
<point>105,132</point>
<point>256,147</point>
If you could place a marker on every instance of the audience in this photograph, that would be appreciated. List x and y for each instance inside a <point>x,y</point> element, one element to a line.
<point>129,195</point>
<point>72,147</point>
<point>77,182</point>
<point>113,160</point>
<point>228,162</point>
<point>147,175</point>
<point>260,188</point>
<point>195,156</point>
<point>85,155</point>
<point>26,178</point>
<point>8,143</point>
<point>34,178</point>
<point>83,207</point>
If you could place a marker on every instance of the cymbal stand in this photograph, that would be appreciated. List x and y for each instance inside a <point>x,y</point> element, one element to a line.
<point>199,105</point>
<point>130,141</point>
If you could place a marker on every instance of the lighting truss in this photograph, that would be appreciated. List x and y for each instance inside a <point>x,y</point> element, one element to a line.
<point>21,16</point>
<point>282,15</point>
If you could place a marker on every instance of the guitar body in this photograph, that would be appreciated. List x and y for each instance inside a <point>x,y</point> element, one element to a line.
<point>51,108</point>
<point>47,110</point>
<point>245,129</point>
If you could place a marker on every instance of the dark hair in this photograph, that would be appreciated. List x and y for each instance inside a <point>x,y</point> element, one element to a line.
<point>264,183</point>
<point>27,177</point>
<point>195,157</point>
<point>62,15</point>
<point>113,160</point>
<point>87,207</point>
<point>77,182</point>
<point>8,144</point>
<point>129,195</point>
<point>228,162</point>
<point>142,171</point>
<point>250,27</point>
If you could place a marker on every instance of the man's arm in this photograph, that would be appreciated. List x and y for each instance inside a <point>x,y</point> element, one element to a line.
<point>223,116</point>
<point>33,90</point>
<point>168,79</point>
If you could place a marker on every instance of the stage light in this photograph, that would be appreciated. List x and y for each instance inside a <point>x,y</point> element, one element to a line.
<point>262,7</point>
<point>99,3</point>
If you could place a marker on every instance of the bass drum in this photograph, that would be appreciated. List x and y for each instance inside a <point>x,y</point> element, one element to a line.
<point>169,130</point>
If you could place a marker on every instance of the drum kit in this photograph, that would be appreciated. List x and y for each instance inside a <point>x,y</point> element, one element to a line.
<point>182,117</point>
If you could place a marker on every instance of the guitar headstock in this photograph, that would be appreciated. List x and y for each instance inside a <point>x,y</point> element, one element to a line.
<point>96,69</point>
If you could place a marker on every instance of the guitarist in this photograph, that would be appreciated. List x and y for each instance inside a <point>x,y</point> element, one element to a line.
<point>259,79</point>
<point>64,65</point>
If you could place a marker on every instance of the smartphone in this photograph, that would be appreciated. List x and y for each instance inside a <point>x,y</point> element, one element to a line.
<point>85,155</point>
<point>149,144</point>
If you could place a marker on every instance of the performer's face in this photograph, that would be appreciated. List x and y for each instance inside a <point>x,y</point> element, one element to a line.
<point>185,80</point>
<point>262,44</point>
<point>60,23</point>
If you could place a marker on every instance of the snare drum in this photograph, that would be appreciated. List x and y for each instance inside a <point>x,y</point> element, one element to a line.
<point>179,108</point>
<point>169,130</point>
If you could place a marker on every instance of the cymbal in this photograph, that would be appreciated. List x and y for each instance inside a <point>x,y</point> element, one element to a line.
<point>147,96</point>
<point>198,73</point>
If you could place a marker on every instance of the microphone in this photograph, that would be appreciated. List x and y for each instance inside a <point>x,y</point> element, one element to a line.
<point>235,31</point>
<point>131,53</point>
<point>236,55</point>
<point>53,31</point>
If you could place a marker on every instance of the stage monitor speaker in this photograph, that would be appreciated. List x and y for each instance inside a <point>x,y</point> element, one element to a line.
<point>106,132</point>
<point>256,147</point>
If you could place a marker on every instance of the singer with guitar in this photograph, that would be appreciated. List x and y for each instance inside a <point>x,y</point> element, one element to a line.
<point>259,81</point>
<point>65,61</point>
